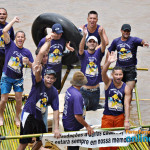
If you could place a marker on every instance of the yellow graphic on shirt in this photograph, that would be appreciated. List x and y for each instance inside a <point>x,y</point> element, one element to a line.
<point>42,104</point>
<point>91,69</point>
<point>114,103</point>
<point>2,45</point>
<point>55,57</point>
<point>15,64</point>
<point>125,54</point>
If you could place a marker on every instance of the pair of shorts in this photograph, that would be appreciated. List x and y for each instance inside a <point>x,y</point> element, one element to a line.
<point>7,83</point>
<point>91,98</point>
<point>129,74</point>
<point>109,121</point>
<point>30,125</point>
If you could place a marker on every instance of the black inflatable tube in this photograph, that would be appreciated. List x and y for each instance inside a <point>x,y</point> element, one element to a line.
<point>71,33</point>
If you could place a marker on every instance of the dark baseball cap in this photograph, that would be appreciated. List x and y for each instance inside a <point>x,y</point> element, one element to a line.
<point>50,71</point>
<point>126,27</point>
<point>57,28</point>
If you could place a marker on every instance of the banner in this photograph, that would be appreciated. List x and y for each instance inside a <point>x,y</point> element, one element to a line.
<point>100,138</point>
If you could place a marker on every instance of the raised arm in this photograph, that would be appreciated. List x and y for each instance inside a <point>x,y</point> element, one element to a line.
<point>45,48</point>
<point>37,71</point>
<point>56,124</point>
<point>7,28</point>
<point>112,58</point>
<point>82,43</point>
<point>127,99</point>
<point>83,122</point>
<point>103,43</point>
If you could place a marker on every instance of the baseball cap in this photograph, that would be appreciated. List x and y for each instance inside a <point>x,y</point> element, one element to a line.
<point>50,71</point>
<point>93,38</point>
<point>57,28</point>
<point>126,27</point>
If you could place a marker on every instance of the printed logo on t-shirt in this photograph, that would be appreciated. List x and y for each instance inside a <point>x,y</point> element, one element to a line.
<point>2,45</point>
<point>14,64</point>
<point>125,52</point>
<point>91,68</point>
<point>55,56</point>
<point>114,101</point>
<point>42,102</point>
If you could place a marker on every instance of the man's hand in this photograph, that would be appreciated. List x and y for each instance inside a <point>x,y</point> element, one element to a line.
<point>85,32</point>
<point>57,133</point>
<point>112,57</point>
<point>90,130</point>
<point>126,125</point>
<point>49,37</point>
<point>100,30</point>
<point>16,19</point>
<point>37,68</point>
<point>25,60</point>
<point>69,47</point>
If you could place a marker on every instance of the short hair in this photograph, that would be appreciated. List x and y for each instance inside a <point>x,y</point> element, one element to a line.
<point>4,9</point>
<point>117,68</point>
<point>93,12</point>
<point>21,32</point>
<point>37,51</point>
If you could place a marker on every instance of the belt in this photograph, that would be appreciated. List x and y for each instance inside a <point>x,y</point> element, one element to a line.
<point>91,90</point>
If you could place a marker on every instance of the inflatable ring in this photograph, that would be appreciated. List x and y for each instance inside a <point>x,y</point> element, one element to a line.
<point>71,33</point>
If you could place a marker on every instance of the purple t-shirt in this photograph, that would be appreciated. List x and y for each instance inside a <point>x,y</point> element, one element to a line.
<point>74,105</point>
<point>114,100</point>
<point>95,33</point>
<point>39,98</point>
<point>2,44</point>
<point>90,66</point>
<point>55,53</point>
<point>13,60</point>
<point>126,51</point>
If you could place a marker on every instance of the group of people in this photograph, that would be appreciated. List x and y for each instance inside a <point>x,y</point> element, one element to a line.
<point>84,93</point>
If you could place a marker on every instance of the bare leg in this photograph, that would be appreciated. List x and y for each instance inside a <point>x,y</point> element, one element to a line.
<point>4,98</point>
<point>22,146</point>
<point>131,84</point>
<point>37,145</point>
<point>18,97</point>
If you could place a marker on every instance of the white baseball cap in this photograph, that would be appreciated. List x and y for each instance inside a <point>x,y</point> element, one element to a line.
<point>93,38</point>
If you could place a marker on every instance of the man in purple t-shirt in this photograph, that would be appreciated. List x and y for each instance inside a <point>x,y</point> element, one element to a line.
<point>3,23</point>
<point>74,109</point>
<point>126,47</point>
<point>15,58</point>
<point>92,28</point>
<point>117,99</point>
<point>90,66</point>
<point>58,44</point>
<point>42,94</point>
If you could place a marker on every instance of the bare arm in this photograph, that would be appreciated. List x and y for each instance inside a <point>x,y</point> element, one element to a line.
<point>82,43</point>
<point>45,48</point>
<point>83,122</point>
<point>103,43</point>
<point>105,77</point>
<point>37,70</point>
<point>7,28</point>
<point>56,123</point>
<point>127,99</point>
<point>69,47</point>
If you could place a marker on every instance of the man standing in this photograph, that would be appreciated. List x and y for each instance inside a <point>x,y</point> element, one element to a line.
<point>3,23</point>
<point>126,47</point>
<point>58,44</point>
<point>92,28</point>
<point>117,99</point>
<point>74,109</point>
<point>42,94</point>
<point>90,66</point>
<point>15,56</point>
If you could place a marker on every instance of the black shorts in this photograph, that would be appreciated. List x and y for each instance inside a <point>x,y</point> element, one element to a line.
<point>31,126</point>
<point>129,74</point>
